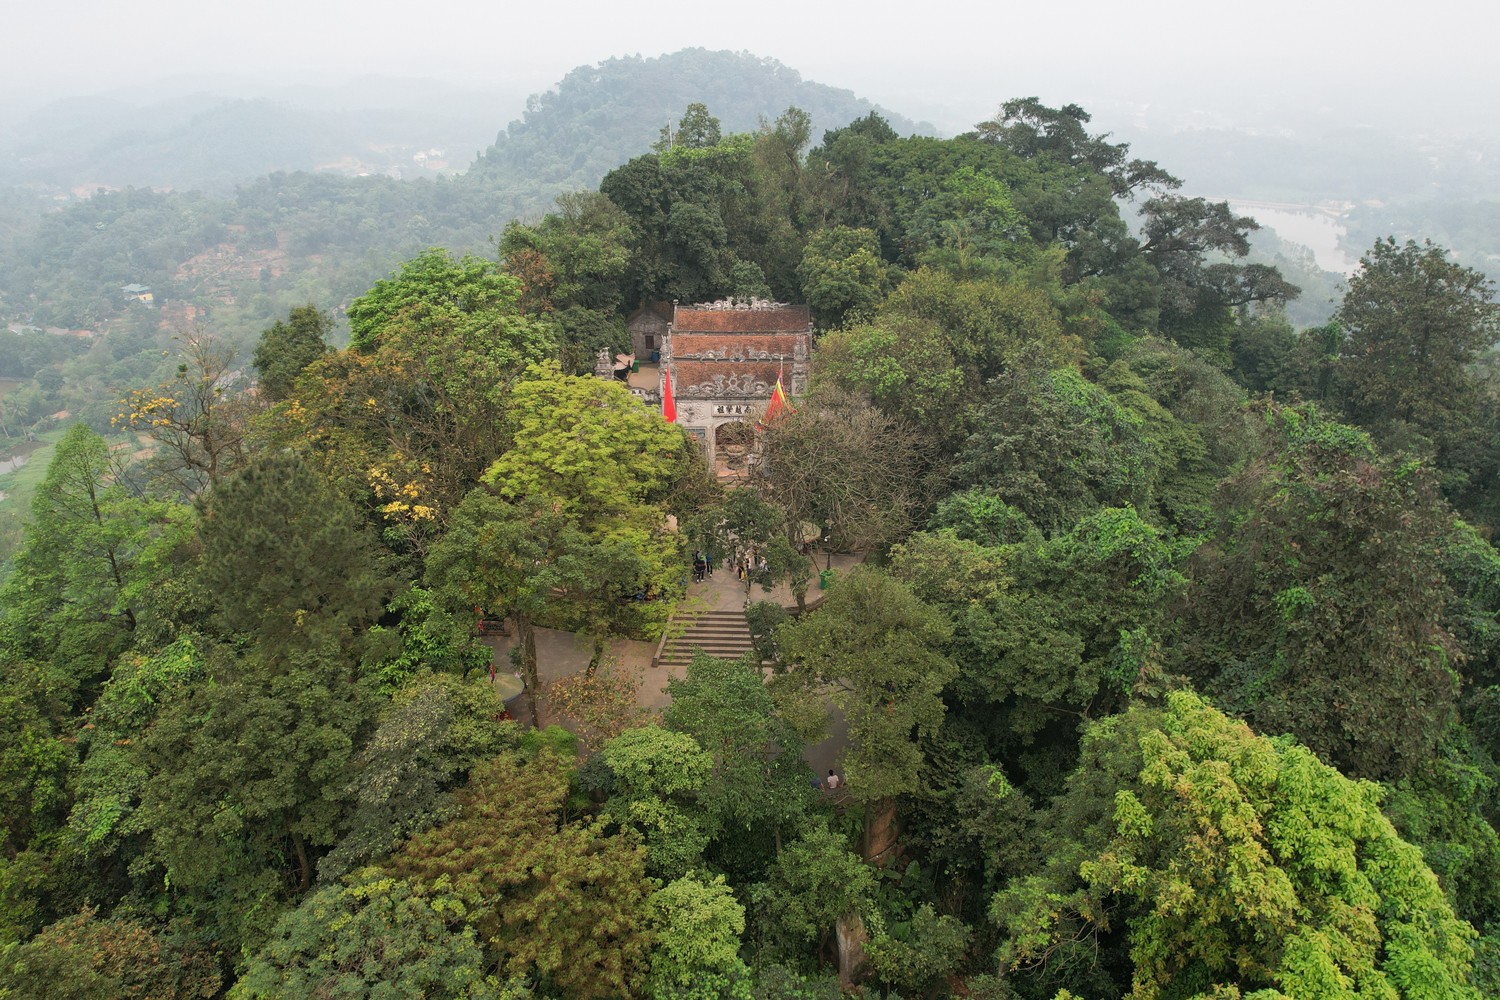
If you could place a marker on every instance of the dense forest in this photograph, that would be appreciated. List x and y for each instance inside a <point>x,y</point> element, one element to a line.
<point>1169,670</point>
<point>251,229</point>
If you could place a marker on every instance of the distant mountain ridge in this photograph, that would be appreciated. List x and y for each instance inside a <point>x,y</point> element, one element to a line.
<point>595,118</point>
<point>600,116</point>
<point>209,142</point>
<point>284,215</point>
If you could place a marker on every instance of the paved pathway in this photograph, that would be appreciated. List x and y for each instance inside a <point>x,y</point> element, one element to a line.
<point>562,654</point>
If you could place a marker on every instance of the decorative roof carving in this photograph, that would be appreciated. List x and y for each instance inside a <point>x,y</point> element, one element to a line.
<point>719,385</point>
<point>735,353</point>
<point>751,305</point>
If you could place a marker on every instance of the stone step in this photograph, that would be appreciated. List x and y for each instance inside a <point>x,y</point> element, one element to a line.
<point>725,650</point>
<point>709,645</point>
<point>723,634</point>
<point>684,659</point>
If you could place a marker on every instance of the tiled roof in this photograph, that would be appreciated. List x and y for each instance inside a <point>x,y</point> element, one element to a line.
<point>744,378</point>
<point>783,319</point>
<point>744,345</point>
<point>651,312</point>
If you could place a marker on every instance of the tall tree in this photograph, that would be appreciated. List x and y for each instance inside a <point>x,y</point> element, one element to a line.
<point>409,419</point>
<point>286,348</point>
<point>198,418</point>
<point>374,935</point>
<point>1189,854</point>
<point>433,290</point>
<point>92,555</point>
<point>546,897</point>
<point>873,649</point>
<point>1413,322</point>
<point>759,777</point>
<point>1320,606</point>
<point>837,462</point>
<point>843,277</point>
<point>606,466</point>
<point>249,773</point>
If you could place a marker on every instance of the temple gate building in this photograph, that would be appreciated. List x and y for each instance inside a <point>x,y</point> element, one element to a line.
<point>724,358</point>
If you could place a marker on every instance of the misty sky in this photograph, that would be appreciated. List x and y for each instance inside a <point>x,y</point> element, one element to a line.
<point>951,63</point>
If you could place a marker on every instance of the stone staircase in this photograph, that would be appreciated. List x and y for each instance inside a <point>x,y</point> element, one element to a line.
<point>724,634</point>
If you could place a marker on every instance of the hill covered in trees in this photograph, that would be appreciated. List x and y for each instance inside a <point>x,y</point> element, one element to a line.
<point>1170,670</point>
<point>273,240</point>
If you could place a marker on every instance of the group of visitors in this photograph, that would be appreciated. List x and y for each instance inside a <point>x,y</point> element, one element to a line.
<point>747,563</point>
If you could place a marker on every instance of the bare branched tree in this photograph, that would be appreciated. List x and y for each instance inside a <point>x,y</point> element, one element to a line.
<point>839,463</point>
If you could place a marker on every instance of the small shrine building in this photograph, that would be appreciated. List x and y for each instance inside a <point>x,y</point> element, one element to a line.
<point>724,359</point>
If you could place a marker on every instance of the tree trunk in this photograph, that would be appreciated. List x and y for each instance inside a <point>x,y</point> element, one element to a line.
<point>526,636</point>
<point>880,831</point>
<point>305,868</point>
<point>852,937</point>
<point>598,656</point>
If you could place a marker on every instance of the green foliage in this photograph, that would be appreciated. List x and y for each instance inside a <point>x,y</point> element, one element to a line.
<point>286,349</point>
<point>112,772</point>
<point>697,949</point>
<point>92,555</point>
<point>1320,607</point>
<point>987,325</point>
<point>409,422</point>
<point>586,444</point>
<point>981,516</point>
<point>758,776</point>
<point>432,638</point>
<point>436,728</point>
<point>839,462</point>
<point>815,881</point>
<point>1067,623</point>
<point>872,648</point>
<point>374,935</point>
<point>843,277</point>
<point>545,897</point>
<point>574,258</point>
<point>1413,321</point>
<point>290,564</point>
<point>655,775</point>
<point>764,618</point>
<point>84,956</point>
<point>1057,447</point>
<point>777,982</point>
<point>907,369</point>
<point>431,291</point>
<point>914,953</point>
<point>35,763</point>
<point>1444,811</point>
<point>1221,860</point>
<point>971,227</point>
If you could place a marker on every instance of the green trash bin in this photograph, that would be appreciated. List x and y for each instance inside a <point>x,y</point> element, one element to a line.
<point>825,577</point>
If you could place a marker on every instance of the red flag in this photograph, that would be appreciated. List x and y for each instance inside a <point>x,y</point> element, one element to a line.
<point>668,406</point>
<point>777,404</point>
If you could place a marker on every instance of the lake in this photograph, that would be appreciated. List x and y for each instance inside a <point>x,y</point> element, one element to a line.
<point>1316,227</point>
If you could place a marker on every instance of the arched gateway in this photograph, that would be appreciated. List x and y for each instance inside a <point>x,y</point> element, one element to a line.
<point>725,359</point>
